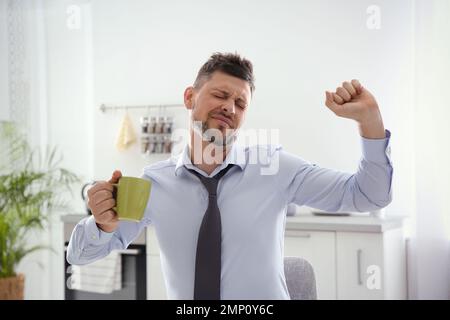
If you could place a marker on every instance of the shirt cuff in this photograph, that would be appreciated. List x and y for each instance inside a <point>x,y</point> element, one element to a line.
<point>94,235</point>
<point>377,150</point>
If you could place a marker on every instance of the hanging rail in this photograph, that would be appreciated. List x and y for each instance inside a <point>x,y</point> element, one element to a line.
<point>104,107</point>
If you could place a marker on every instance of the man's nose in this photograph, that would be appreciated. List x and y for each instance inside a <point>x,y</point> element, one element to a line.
<point>229,107</point>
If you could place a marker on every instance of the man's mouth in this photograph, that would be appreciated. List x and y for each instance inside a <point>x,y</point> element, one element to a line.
<point>223,120</point>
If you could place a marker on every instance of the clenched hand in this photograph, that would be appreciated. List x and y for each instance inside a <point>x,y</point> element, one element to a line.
<point>353,101</point>
<point>101,202</point>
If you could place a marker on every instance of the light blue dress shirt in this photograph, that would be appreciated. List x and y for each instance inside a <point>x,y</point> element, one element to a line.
<point>253,198</point>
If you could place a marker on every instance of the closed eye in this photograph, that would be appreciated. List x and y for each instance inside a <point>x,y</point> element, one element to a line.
<point>239,102</point>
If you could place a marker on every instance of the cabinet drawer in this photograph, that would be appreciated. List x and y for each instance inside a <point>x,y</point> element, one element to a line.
<point>318,248</point>
<point>360,272</point>
<point>156,288</point>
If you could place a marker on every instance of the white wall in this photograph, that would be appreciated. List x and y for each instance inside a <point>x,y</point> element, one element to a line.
<point>431,242</point>
<point>20,96</point>
<point>147,52</point>
<point>68,108</point>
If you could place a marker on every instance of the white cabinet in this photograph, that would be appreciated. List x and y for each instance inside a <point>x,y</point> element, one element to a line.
<point>156,289</point>
<point>371,265</point>
<point>352,257</point>
<point>319,249</point>
<point>359,255</point>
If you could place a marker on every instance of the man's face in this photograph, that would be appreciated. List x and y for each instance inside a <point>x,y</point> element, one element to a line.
<point>220,103</point>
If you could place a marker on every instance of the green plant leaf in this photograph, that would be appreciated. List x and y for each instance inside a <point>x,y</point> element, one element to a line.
<point>31,186</point>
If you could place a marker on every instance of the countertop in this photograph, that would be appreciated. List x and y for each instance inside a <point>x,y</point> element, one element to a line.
<point>316,223</point>
<point>343,223</point>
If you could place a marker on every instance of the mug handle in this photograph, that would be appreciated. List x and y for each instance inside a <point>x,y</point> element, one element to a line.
<point>115,185</point>
<point>84,188</point>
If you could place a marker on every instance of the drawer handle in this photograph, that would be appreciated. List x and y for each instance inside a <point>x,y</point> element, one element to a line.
<point>298,235</point>
<point>358,262</point>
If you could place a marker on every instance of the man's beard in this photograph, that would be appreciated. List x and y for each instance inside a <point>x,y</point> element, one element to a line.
<point>214,135</point>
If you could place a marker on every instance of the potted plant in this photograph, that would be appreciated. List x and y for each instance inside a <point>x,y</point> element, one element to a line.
<point>30,188</point>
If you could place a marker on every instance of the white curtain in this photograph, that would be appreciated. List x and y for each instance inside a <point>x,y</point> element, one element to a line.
<point>23,44</point>
<point>429,254</point>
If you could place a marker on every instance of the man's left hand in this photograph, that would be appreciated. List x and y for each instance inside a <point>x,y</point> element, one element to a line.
<point>353,101</point>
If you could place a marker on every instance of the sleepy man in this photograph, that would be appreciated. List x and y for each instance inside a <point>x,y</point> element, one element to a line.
<point>218,215</point>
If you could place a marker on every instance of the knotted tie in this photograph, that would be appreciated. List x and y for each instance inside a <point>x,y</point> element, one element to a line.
<point>209,244</point>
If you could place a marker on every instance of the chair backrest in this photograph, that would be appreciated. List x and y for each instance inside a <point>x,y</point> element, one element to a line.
<point>300,279</point>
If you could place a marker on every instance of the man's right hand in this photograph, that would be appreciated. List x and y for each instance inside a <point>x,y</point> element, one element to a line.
<point>101,203</point>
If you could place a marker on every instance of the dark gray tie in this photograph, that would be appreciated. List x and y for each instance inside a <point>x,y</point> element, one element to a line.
<point>209,244</point>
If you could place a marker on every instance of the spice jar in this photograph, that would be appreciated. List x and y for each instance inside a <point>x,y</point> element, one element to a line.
<point>144,144</point>
<point>152,124</point>
<point>168,125</point>
<point>159,125</point>
<point>144,124</point>
<point>157,144</point>
<point>167,144</point>
<point>152,144</point>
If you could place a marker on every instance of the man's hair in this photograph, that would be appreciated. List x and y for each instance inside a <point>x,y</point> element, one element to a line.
<point>229,63</point>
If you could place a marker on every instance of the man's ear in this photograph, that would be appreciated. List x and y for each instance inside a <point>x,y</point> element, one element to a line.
<point>189,97</point>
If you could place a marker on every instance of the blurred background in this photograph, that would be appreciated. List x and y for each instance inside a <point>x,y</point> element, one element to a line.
<point>60,61</point>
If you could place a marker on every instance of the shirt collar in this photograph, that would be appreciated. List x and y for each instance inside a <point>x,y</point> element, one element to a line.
<point>236,156</point>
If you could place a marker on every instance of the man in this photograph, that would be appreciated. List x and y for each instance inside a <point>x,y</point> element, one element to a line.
<point>218,217</point>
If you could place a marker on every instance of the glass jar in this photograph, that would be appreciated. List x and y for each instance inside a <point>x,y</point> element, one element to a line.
<point>168,125</point>
<point>152,124</point>
<point>145,140</point>
<point>152,144</point>
<point>144,124</point>
<point>157,144</point>
<point>167,144</point>
<point>159,125</point>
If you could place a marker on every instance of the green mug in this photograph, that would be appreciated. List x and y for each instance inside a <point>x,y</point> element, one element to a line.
<point>132,195</point>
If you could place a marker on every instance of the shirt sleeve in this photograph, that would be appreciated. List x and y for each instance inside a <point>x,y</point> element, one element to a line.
<point>88,243</point>
<point>369,189</point>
